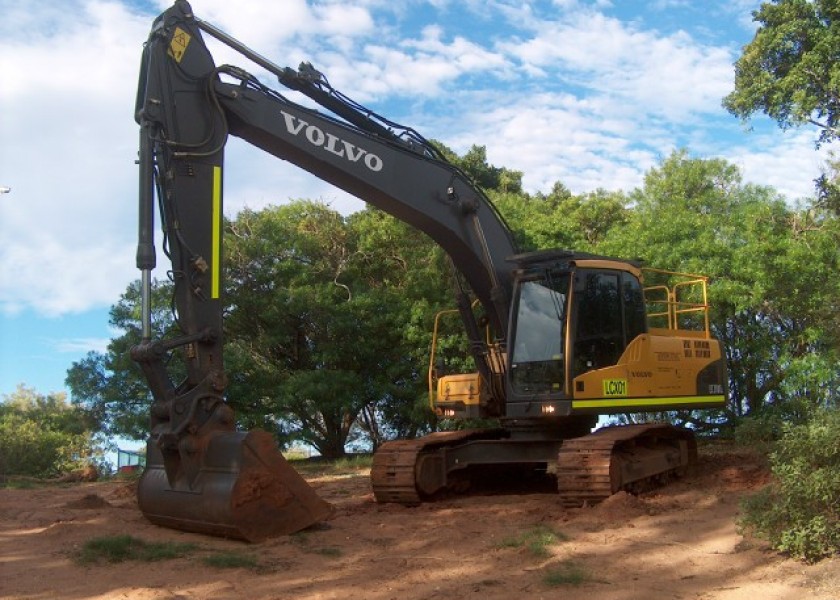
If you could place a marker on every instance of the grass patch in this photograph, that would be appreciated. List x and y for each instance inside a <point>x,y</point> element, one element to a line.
<point>329,551</point>
<point>536,541</point>
<point>303,540</point>
<point>347,465</point>
<point>21,484</point>
<point>566,574</point>
<point>231,560</point>
<point>356,462</point>
<point>120,548</point>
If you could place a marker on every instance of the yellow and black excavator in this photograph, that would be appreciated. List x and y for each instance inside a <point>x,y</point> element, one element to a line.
<point>558,337</point>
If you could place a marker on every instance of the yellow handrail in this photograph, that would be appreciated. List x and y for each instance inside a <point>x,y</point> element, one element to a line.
<point>671,297</point>
<point>433,352</point>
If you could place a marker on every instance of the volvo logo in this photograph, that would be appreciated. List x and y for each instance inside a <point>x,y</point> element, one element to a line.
<point>331,143</point>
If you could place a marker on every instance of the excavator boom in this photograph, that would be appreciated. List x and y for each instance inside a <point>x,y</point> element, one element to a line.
<point>201,474</point>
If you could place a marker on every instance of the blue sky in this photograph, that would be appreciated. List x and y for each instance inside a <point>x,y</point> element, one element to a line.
<point>591,94</point>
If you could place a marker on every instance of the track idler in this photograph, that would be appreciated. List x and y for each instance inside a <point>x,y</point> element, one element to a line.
<point>235,484</point>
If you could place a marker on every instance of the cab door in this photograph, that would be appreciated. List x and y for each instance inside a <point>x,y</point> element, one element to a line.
<point>607,314</point>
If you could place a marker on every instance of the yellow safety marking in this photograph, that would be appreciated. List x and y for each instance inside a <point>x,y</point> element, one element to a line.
<point>178,45</point>
<point>614,387</point>
<point>647,402</point>
<point>216,251</point>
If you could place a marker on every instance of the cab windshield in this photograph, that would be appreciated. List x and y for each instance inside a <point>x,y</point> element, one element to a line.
<point>537,360</point>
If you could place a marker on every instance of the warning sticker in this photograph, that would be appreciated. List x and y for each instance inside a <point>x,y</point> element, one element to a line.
<point>178,45</point>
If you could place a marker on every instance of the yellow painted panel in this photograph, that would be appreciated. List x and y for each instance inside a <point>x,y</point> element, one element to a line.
<point>630,403</point>
<point>216,257</point>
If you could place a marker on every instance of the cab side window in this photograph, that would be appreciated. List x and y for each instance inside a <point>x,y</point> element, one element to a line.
<point>610,314</point>
<point>600,337</point>
<point>635,317</point>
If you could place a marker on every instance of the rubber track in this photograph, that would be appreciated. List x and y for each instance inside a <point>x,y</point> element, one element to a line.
<point>392,475</point>
<point>584,463</point>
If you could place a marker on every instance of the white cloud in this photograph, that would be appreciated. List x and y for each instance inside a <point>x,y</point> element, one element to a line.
<point>80,345</point>
<point>55,277</point>
<point>335,19</point>
<point>554,139</point>
<point>787,162</point>
<point>67,152</point>
<point>269,27</point>
<point>561,92</point>
<point>664,75</point>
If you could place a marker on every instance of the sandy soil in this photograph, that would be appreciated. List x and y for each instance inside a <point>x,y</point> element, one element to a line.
<point>677,542</point>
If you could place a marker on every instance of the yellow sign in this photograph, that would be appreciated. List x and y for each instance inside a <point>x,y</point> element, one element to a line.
<point>615,387</point>
<point>178,45</point>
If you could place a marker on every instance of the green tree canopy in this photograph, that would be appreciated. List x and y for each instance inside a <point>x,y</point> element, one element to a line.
<point>790,71</point>
<point>488,177</point>
<point>109,385</point>
<point>328,317</point>
<point>772,275</point>
<point>319,304</point>
<point>43,435</point>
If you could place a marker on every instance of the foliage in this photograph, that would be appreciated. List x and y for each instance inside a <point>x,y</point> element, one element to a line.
<point>560,219</point>
<point>316,322</point>
<point>121,548</point>
<point>566,573</point>
<point>771,270</point>
<point>790,72</point>
<point>800,512</point>
<point>43,436</point>
<point>231,560</point>
<point>536,541</point>
<point>488,177</point>
<point>110,386</point>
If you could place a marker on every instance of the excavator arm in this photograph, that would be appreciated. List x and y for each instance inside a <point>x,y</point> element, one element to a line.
<point>186,108</point>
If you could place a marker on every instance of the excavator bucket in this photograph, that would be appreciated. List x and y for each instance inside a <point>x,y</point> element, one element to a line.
<point>243,489</point>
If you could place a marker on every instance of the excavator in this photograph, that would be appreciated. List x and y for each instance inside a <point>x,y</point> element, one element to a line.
<point>558,337</point>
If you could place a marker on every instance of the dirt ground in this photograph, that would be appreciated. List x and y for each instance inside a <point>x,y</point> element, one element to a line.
<point>676,542</point>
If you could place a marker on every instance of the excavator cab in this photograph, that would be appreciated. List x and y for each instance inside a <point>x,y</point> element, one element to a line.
<point>587,334</point>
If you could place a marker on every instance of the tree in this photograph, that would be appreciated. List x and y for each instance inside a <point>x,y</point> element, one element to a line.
<point>110,386</point>
<point>790,70</point>
<point>488,177</point>
<point>43,436</point>
<point>771,276</point>
<point>400,258</point>
<point>561,219</point>
<point>319,315</point>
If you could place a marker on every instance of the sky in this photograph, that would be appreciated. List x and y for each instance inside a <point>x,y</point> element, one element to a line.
<point>589,93</point>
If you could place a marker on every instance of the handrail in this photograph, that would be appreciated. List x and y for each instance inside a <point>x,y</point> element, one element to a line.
<point>433,350</point>
<point>432,353</point>
<point>673,297</point>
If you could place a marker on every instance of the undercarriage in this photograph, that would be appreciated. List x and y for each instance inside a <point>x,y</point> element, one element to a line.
<point>588,468</point>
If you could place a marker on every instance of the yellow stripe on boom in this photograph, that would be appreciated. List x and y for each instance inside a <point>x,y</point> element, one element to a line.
<point>216,252</point>
<point>647,402</point>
